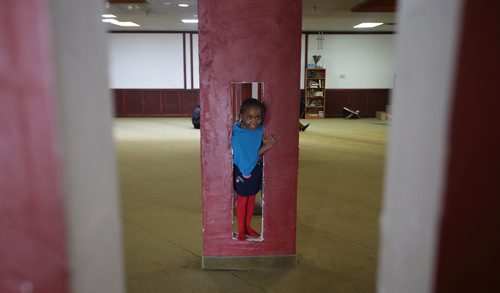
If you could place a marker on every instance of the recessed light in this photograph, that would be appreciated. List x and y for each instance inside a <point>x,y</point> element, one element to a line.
<point>183,5</point>
<point>120,23</point>
<point>128,23</point>
<point>189,20</point>
<point>368,24</point>
<point>109,16</point>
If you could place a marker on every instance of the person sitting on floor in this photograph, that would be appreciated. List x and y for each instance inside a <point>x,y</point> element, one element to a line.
<point>195,118</point>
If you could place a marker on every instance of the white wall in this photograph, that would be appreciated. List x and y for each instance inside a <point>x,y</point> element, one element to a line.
<point>187,53</point>
<point>302,60</point>
<point>156,60</point>
<point>146,61</point>
<point>365,61</point>
<point>196,62</point>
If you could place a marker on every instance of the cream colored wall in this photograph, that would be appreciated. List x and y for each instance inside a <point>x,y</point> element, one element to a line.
<point>355,61</point>
<point>147,60</point>
<point>156,60</point>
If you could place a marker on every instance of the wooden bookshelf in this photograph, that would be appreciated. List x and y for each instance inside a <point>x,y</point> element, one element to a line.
<point>315,93</point>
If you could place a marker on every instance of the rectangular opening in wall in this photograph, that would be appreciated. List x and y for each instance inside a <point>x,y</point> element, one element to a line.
<point>248,199</point>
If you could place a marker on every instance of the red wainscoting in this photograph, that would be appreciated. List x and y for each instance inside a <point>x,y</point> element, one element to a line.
<point>155,102</point>
<point>367,101</point>
<point>181,102</point>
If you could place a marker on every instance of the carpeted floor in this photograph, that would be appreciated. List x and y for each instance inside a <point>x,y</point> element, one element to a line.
<point>340,185</point>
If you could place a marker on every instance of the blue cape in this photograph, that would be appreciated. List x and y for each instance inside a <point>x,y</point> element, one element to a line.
<point>246,144</point>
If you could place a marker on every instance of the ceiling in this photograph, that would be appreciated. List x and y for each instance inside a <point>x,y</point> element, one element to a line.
<point>317,15</point>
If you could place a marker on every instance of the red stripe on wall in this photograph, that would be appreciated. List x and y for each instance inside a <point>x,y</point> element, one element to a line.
<point>469,248</point>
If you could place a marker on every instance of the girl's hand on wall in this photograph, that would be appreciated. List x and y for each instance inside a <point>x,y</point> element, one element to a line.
<point>268,143</point>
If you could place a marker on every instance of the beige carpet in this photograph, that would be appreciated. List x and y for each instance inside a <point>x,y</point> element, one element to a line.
<point>340,184</point>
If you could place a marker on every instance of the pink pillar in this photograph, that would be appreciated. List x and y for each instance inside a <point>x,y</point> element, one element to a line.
<point>32,242</point>
<point>242,40</point>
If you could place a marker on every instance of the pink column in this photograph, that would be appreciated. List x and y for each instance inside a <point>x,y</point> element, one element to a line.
<point>32,242</point>
<point>249,41</point>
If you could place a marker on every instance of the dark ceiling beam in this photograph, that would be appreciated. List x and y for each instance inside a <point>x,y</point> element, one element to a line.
<point>375,6</point>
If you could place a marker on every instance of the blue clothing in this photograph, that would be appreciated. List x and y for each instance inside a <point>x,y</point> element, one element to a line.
<point>246,144</point>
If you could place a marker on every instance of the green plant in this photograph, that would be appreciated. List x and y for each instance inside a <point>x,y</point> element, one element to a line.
<point>316,59</point>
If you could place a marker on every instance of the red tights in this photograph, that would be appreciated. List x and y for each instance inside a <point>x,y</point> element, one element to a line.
<point>244,212</point>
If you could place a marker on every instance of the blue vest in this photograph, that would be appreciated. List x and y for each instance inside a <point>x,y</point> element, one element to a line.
<point>246,144</point>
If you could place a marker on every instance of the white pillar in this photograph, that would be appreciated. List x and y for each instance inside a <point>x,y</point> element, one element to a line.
<point>426,47</point>
<point>90,185</point>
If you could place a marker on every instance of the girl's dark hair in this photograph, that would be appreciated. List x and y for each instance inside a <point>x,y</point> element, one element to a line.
<point>249,103</point>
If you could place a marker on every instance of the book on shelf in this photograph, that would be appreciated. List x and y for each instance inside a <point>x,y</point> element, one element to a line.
<point>315,103</point>
<point>315,92</point>
<point>315,73</point>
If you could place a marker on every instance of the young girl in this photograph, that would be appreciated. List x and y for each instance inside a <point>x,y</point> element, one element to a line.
<point>248,147</point>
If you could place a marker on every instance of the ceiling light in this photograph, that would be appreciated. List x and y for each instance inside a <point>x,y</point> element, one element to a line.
<point>128,23</point>
<point>109,15</point>
<point>183,5</point>
<point>120,23</point>
<point>189,20</point>
<point>368,24</point>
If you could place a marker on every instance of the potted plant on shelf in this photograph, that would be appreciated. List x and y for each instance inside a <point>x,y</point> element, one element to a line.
<point>316,59</point>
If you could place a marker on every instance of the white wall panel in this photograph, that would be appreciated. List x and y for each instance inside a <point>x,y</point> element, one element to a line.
<point>196,63</point>
<point>355,61</point>
<point>187,53</point>
<point>156,60</point>
<point>146,61</point>
<point>302,60</point>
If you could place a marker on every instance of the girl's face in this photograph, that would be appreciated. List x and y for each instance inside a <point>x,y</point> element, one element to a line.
<point>251,118</point>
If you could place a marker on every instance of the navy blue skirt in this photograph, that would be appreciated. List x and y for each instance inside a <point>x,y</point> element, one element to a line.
<point>248,186</point>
